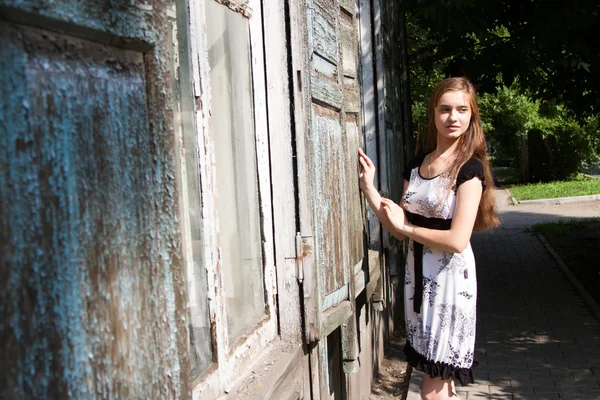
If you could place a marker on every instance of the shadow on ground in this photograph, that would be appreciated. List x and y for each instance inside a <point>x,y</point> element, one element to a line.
<point>535,337</point>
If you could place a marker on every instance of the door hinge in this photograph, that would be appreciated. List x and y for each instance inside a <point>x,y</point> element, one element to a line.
<point>303,249</point>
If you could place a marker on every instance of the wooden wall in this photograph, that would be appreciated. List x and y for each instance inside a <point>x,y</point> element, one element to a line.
<point>90,304</point>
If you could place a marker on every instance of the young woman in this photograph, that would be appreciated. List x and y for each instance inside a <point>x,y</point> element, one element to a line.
<point>447,194</point>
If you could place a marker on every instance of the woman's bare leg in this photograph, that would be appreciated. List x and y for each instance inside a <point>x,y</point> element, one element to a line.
<point>438,389</point>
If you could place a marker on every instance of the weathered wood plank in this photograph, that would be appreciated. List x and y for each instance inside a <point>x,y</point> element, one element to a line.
<point>351,96</point>
<point>349,6</point>
<point>325,383</point>
<point>282,171</point>
<point>317,378</point>
<point>383,166</point>
<point>211,385</point>
<point>407,133</point>
<point>398,116</point>
<point>328,185</point>
<point>134,27</point>
<point>369,108</point>
<point>354,208</point>
<point>334,298</point>
<point>350,348</point>
<point>375,273</point>
<point>89,237</point>
<point>301,49</point>
<point>334,317</point>
<point>326,91</point>
<point>360,281</point>
<point>393,259</point>
<point>261,126</point>
<point>280,365</point>
<point>301,43</point>
<point>325,30</point>
<point>349,39</point>
<point>324,67</point>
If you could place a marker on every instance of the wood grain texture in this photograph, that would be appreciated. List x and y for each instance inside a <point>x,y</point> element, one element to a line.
<point>369,109</point>
<point>91,244</point>
<point>282,172</point>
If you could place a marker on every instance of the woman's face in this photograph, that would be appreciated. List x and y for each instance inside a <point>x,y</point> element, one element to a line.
<point>453,114</point>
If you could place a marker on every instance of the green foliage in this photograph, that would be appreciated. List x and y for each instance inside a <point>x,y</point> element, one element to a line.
<point>531,81</point>
<point>563,152</point>
<point>559,145</point>
<point>549,46</point>
<point>551,190</point>
<point>425,72</point>
<point>504,176</point>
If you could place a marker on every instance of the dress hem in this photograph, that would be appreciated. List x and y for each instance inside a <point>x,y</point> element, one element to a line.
<point>438,369</point>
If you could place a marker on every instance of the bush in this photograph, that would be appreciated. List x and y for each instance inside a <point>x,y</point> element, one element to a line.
<point>561,155</point>
<point>559,146</point>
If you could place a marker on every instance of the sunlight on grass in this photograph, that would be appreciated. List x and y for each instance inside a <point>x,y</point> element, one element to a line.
<point>551,190</point>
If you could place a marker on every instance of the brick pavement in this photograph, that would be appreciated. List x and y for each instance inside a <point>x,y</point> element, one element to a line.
<point>535,337</point>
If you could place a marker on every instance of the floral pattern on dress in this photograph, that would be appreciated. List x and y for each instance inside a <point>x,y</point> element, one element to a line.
<point>427,208</point>
<point>459,322</point>
<point>407,197</point>
<point>412,330</point>
<point>466,294</point>
<point>458,356</point>
<point>468,358</point>
<point>451,262</point>
<point>430,290</point>
<point>415,178</point>
<point>428,341</point>
<point>407,276</point>
<point>454,356</point>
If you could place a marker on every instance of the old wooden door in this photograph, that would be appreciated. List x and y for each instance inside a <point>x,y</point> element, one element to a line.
<point>88,223</point>
<point>328,133</point>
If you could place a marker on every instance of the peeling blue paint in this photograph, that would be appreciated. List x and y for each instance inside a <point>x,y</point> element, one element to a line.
<point>88,231</point>
<point>118,22</point>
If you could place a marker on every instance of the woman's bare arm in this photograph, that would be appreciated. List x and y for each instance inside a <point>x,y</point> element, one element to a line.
<point>457,238</point>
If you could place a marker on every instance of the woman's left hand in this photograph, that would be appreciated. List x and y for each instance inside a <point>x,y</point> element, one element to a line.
<point>392,217</point>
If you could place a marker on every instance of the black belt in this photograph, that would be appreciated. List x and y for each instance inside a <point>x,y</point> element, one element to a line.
<point>430,223</point>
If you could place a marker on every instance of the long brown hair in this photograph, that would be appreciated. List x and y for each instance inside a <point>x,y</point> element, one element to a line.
<point>471,143</point>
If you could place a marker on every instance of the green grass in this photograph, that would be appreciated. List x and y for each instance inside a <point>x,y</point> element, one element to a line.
<point>581,186</point>
<point>577,242</point>
<point>555,232</point>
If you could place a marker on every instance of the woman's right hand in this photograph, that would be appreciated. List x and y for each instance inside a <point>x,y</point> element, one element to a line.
<point>367,171</point>
<point>392,218</point>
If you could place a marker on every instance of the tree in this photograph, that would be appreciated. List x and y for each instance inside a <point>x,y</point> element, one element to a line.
<point>550,46</point>
<point>537,136</point>
<point>509,117</point>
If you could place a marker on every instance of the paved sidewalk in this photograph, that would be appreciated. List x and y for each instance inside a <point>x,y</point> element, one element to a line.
<point>535,337</point>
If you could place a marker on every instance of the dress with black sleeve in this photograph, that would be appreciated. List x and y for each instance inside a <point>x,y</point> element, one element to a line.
<point>440,286</point>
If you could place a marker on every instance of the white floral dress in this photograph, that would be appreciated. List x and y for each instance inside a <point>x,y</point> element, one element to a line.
<point>440,312</point>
